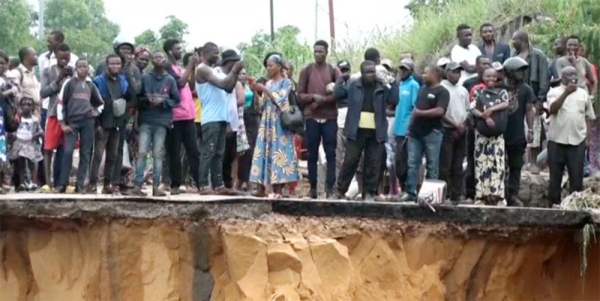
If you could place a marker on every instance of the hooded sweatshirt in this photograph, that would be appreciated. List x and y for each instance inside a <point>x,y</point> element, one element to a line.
<point>158,85</point>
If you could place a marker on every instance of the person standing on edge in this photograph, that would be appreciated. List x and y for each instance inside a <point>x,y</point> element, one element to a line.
<point>365,128</point>
<point>212,87</point>
<point>320,111</point>
<point>46,60</point>
<point>520,107</point>
<point>53,78</point>
<point>158,96</point>
<point>481,63</point>
<point>536,76</point>
<point>409,91</point>
<point>425,130</point>
<point>235,98</point>
<point>455,128</point>
<point>342,104</point>
<point>115,92</point>
<point>495,51</point>
<point>570,108</point>
<point>465,53</point>
<point>79,103</point>
<point>184,129</point>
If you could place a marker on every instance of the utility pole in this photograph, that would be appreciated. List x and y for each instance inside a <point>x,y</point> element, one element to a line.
<point>316,20</point>
<point>41,19</point>
<point>272,23</point>
<point>332,26</point>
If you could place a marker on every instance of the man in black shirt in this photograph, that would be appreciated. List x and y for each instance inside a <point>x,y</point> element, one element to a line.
<point>425,130</point>
<point>521,100</point>
<point>481,64</point>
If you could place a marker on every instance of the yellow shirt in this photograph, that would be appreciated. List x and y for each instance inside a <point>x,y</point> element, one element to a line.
<point>198,110</point>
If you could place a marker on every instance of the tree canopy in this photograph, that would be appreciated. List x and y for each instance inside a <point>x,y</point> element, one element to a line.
<point>87,29</point>
<point>16,18</point>
<point>174,28</point>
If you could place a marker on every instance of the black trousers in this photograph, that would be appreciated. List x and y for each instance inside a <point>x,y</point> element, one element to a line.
<point>559,156</point>
<point>228,158</point>
<point>251,122</point>
<point>452,156</point>
<point>213,150</point>
<point>366,141</point>
<point>470,174</point>
<point>515,161</point>
<point>107,142</point>
<point>401,161</point>
<point>183,132</point>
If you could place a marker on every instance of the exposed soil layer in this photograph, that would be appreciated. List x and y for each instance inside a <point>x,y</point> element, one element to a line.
<point>283,257</point>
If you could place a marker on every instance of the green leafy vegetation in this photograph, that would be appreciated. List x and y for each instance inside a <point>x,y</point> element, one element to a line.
<point>174,28</point>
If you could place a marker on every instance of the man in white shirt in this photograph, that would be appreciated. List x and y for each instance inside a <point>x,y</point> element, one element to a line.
<point>465,53</point>
<point>571,116</point>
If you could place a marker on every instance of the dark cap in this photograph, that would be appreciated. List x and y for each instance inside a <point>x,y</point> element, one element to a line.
<point>453,66</point>
<point>343,64</point>
<point>229,55</point>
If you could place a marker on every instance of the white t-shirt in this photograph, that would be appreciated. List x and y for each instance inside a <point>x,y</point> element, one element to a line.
<point>26,128</point>
<point>460,54</point>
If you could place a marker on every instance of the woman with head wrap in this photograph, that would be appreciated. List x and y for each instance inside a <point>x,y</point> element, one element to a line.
<point>274,162</point>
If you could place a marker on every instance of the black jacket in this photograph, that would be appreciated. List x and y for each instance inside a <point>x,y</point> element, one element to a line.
<point>501,52</point>
<point>352,92</point>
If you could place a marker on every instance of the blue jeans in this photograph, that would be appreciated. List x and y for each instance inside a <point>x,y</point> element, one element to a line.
<point>430,145</point>
<point>84,130</point>
<point>155,135</point>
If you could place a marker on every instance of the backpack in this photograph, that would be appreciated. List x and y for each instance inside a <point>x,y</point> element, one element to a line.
<point>500,118</point>
<point>308,72</point>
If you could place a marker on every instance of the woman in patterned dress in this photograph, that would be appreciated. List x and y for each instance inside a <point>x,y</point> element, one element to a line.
<point>274,162</point>
<point>490,168</point>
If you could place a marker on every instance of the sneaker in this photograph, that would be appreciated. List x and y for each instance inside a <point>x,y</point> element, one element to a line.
<point>175,191</point>
<point>534,169</point>
<point>107,189</point>
<point>182,189</point>
<point>91,189</point>
<point>369,198</point>
<point>137,191</point>
<point>71,189</point>
<point>156,192</point>
<point>407,198</point>
<point>206,191</point>
<point>313,194</point>
<point>32,187</point>
<point>60,189</point>
<point>337,196</point>
<point>46,189</point>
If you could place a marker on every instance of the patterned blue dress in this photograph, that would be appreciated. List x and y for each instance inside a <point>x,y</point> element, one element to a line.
<point>274,160</point>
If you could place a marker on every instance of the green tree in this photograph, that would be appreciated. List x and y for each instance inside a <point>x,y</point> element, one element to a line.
<point>87,30</point>
<point>174,28</point>
<point>147,38</point>
<point>286,41</point>
<point>15,21</point>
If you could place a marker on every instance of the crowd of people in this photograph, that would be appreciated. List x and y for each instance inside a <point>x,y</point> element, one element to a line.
<point>210,128</point>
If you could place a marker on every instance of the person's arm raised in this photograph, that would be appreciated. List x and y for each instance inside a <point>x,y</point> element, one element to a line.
<point>204,74</point>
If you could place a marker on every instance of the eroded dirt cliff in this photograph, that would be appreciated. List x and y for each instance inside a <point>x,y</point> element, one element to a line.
<point>289,258</point>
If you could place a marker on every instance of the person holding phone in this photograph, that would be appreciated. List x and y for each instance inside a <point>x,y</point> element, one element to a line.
<point>53,78</point>
<point>571,116</point>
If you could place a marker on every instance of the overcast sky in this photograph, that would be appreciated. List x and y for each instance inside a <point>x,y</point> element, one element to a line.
<point>235,21</point>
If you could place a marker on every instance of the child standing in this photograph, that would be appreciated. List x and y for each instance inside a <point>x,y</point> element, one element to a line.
<point>490,112</point>
<point>26,150</point>
<point>79,104</point>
